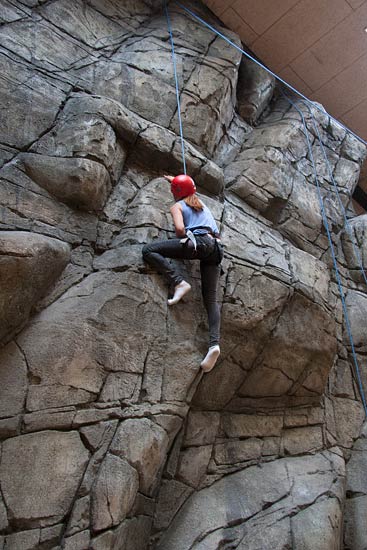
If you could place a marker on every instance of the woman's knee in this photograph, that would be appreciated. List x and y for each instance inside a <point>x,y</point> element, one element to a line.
<point>146,251</point>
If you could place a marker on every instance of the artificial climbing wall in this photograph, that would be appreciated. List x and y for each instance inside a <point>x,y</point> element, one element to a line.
<point>111,438</point>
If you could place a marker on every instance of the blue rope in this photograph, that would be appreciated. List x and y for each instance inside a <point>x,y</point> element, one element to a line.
<point>337,274</point>
<point>265,68</point>
<point>346,221</point>
<point>177,85</point>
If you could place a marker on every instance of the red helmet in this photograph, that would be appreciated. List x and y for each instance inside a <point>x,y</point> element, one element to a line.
<point>182,186</point>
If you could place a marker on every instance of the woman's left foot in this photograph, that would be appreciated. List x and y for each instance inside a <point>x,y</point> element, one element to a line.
<point>208,363</point>
<point>180,290</point>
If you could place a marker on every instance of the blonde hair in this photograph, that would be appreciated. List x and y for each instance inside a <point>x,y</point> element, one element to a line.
<point>194,202</point>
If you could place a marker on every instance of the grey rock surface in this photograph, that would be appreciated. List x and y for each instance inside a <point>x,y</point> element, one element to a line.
<point>354,534</point>
<point>29,265</point>
<point>120,440</point>
<point>114,492</point>
<point>144,445</point>
<point>81,183</point>
<point>290,483</point>
<point>254,91</point>
<point>47,459</point>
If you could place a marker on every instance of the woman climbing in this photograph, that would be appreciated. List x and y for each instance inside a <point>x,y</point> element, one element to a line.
<point>198,239</point>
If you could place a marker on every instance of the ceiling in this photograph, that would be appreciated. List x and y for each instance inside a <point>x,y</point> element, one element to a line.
<point>317,46</point>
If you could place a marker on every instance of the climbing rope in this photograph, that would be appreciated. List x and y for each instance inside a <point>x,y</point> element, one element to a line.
<point>195,16</point>
<point>323,213</point>
<point>176,85</point>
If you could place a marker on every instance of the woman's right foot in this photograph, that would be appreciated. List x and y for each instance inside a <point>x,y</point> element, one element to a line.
<point>180,290</point>
<point>208,363</point>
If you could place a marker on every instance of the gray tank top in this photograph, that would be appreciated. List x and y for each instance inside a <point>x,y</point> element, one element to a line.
<point>202,218</point>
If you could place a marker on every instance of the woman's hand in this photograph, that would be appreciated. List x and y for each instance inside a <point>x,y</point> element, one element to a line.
<point>169,178</point>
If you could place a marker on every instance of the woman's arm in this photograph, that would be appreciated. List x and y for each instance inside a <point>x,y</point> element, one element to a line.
<point>176,213</point>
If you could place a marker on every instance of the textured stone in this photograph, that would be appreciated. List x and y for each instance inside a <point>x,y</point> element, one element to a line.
<point>46,459</point>
<point>121,257</point>
<point>305,370</point>
<point>3,516</point>
<point>170,423</point>
<point>144,445</point>
<point>302,440</point>
<point>80,135</point>
<point>285,484</point>
<point>26,540</point>
<point>79,519</point>
<point>201,428</point>
<point>103,541</point>
<point>143,506</point>
<point>51,535</point>
<point>50,50</point>
<point>356,482</point>
<point>130,535</point>
<point>349,416</point>
<point>13,380</point>
<point>29,264</point>
<point>80,183</point>
<point>193,464</point>
<point>114,492</point>
<point>243,425</point>
<point>85,23</point>
<point>103,351</point>
<point>99,435</point>
<point>355,536</point>
<point>80,541</point>
<point>266,535</point>
<point>356,303</point>
<point>134,534</point>
<point>26,112</point>
<point>9,426</point>
<point>58,419</point>
<point>232,452</point>
<point>172,495</point>
<point>28,207</point>
<point>76,374</point>
<point>318,526</point>
<point>91,416</point>
<point>121,386</point>
<point>254,91</point>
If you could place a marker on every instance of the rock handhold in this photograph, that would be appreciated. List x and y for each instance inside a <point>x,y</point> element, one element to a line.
<point>144,445</point>
<point>254,90</point>
<point>354,241</point>
<point>114,492</point>
<point>80,183</point>
<point>29,264</point>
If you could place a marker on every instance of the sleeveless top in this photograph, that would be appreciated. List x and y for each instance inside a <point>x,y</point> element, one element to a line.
<point>198,218</point>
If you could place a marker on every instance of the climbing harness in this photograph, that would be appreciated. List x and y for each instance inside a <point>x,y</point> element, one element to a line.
<point>308,102</point>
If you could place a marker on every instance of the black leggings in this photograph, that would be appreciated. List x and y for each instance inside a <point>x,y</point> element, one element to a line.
<point>210,254</point>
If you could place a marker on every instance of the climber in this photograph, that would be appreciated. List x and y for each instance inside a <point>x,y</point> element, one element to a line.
<point>197,239</point>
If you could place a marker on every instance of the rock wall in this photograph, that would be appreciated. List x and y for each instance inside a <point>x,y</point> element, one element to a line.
<point>111,438</point>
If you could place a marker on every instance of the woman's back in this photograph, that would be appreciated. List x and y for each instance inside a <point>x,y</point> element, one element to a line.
<point>198,218</point>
